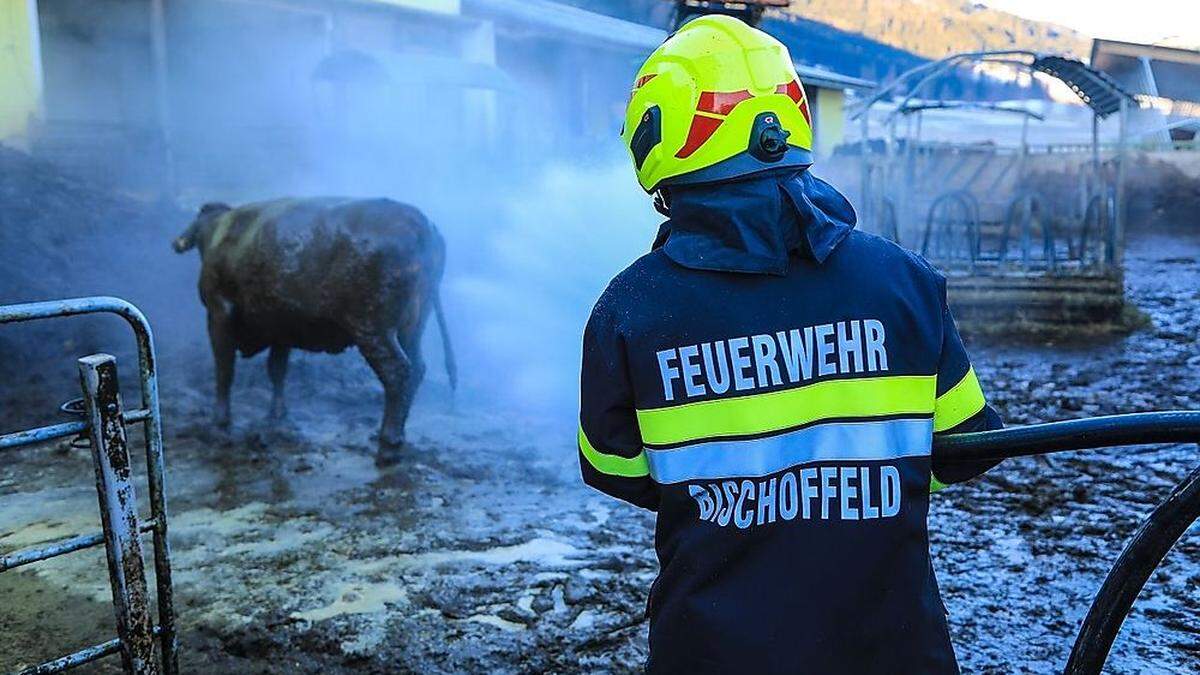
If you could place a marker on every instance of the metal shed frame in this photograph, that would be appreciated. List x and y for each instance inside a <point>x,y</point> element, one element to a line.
<point>1096,89</point>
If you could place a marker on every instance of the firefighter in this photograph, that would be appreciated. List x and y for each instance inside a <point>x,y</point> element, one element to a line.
<point>769,380</point>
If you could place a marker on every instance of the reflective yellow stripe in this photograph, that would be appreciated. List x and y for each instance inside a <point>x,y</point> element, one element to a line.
<point>935,484</point>
<point>787,409</point>
<point>959,404</point>
<point>613,465</point>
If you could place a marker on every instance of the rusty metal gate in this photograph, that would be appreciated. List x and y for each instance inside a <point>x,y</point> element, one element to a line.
<point>122,526</point>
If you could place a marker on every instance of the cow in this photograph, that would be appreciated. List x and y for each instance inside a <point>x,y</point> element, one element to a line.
<point>321,274</point>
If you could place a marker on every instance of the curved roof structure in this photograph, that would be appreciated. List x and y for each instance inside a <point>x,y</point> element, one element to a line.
<point>1094,87</point>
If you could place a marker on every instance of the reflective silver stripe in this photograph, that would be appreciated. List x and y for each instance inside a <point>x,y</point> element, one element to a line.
<point>830,442</point>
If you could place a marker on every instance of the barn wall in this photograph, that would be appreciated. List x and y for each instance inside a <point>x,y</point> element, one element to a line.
<point>100,118</point>
<point>830,118</point>
<point>20,70</point>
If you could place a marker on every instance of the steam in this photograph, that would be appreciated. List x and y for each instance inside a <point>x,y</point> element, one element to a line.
<point>520,168</point>
<point>557,245</point>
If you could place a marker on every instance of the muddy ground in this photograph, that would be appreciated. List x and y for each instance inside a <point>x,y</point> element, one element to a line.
<point>482,551</point>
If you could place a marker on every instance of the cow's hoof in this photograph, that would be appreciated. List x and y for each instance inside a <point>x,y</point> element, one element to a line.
<point>281,424</point>
<point>390,454</point>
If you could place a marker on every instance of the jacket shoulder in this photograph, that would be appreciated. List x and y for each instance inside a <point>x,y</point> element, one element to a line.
<point>641,272</point>
<point>892,258</point>
<point>629,288</point>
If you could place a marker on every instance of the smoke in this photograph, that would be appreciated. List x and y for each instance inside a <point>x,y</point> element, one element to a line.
<point>555,248</point>
<point>518,164</point>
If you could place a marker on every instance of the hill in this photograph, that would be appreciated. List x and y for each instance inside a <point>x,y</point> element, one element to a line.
<point>927,28</point>
<point>935,28</point>
<point>879,39</point>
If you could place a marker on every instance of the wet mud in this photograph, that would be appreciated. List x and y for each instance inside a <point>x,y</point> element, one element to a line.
<point>482,552</point>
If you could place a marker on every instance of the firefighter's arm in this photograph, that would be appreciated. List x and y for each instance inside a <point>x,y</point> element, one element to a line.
<point>960,406</point>
<point>611,458</point>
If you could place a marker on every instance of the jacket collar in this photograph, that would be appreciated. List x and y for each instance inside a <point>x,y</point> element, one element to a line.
<point>753,226</point>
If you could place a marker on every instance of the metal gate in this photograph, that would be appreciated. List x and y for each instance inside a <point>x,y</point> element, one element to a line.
<point>104,426</point>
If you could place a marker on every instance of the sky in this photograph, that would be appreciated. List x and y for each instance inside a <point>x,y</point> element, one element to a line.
<point>1172,22</point>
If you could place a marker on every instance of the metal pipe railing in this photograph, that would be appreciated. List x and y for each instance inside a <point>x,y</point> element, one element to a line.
<point>149,415</point>
<point>56,431</point>
<point>31,555</point>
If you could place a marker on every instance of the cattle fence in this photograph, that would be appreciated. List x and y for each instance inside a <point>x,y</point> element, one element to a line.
<point>103,425</point>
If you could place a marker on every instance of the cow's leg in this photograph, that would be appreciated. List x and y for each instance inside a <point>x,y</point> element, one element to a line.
<point>409,337</point>
<point>385,356</point>
<point>277,365</point>
<point>220,335</point>
<point>410,342</point>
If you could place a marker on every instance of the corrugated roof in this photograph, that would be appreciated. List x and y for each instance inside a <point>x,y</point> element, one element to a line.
<point>571,20</point>
<point>449,7</point>
<point>618,32</point>
<point>820,77</point>
<point>1095,87</point>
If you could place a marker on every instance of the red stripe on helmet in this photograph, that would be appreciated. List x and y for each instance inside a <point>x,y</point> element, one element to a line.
<point>793,91</point>
<point>721,102</point>
<point>701,130</point>
<point>796,93</point>
<point>644,79</point>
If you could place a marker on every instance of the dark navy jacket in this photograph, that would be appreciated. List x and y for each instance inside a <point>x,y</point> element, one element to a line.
<point>769,379</point>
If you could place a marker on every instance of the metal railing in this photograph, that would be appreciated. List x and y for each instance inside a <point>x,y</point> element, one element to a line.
<point>104,424</point>
<point>1149,544</point>
<point>1114,147</point>
<point>1026,212</point>
<point>1044,237</point>
<point>952,225</point>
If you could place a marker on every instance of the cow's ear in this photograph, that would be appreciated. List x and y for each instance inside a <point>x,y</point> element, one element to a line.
<point>214,207</point>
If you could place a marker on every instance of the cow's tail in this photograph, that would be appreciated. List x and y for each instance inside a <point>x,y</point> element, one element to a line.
<point>447,348</point>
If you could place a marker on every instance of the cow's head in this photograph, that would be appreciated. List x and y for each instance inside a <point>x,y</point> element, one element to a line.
<point>202,225</point>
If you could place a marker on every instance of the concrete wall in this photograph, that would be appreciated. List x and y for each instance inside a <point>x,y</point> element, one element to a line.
<point>1187,161</point>
<point>246,115</point>
<point>20,70</point>
<point>100,118</point>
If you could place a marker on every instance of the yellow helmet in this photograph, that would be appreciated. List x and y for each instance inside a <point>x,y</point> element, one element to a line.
<point>717,100</point>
